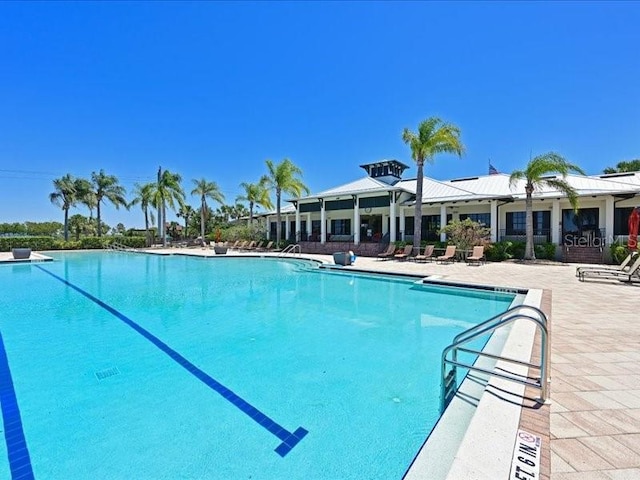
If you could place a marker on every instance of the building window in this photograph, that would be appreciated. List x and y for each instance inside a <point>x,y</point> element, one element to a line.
<point>408,225</point>
<point>341,227</point>
<point>481,218</point>
<point>430,227</point>
<point>621,220</point>
<point>517,223</point>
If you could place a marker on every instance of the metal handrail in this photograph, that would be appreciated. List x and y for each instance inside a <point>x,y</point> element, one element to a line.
<point>291,249</point>
<point>492,324</point>
<point>119,247</point>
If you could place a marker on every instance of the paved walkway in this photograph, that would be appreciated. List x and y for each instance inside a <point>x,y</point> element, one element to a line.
<point>595,362</point>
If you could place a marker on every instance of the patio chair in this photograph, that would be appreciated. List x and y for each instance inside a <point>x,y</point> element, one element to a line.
<point>388,253</point>
<point>267,247</point>
<point>427,255</point>
<point>406,253</point>
<point>449,255</point>
<point>606,273</point>
<point>477,256</point>
<point>623,267</point>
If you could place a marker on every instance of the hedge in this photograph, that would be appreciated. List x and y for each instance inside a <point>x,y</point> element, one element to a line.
<point>50,243</point>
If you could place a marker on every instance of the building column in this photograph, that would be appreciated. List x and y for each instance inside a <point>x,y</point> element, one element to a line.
<point>392,218</point>
<point>495,226</point>
<point>268,220</point>
<point>309,225</point>
<point>356,220</point>
<point>555,221</point>
<point>609,216</point>
<point>443,222</point>
<point>403,227</point>
<point>298,236</point>
<point>323,223</point>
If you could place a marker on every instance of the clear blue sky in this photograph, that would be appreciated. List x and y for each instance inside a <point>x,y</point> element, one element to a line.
<point>213,89</point>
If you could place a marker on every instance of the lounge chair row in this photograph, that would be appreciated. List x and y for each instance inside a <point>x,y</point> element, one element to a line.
<point>248,246</point>
<point>624,272</point>
<point>476,257</point>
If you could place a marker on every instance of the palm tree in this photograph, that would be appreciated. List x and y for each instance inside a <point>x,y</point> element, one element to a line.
<point>434,136</point>
<point>538,174</point>
<point>167,191</point>
<point>78,224</point>
<point>65,196</point>
<point>86,195</point>
<point>255,194</point>
<point>624,166</point>
<point>143,194</point>
<point>107,187</point>
<point>283,177</point>
<point>185,212</point>
<point>206,190</point>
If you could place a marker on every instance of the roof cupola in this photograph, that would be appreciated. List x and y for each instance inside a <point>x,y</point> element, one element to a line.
<point>387,171</point>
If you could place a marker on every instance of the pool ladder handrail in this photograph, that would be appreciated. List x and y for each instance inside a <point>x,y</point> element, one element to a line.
<point>119,247</point>
<point>448,385</point>
<point>291,249</point>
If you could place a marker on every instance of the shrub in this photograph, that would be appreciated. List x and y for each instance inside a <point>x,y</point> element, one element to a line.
<point>50,243</point>
<point>499,251</point>
<point>466,233</point>
<point>619,252</point>
<point>545,251</point>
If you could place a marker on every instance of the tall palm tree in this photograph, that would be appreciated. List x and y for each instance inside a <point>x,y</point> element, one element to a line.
<point>255,194</point>
<point>283,177</point>
<point>65,196</point>
<point>185,212</point>
<point>538,174</point>
<point>434,136</point>
<point>107,187</point>
<point>206,189</point>
<point>143,194</point>
<point>86,195</point>
<point>168,191</point>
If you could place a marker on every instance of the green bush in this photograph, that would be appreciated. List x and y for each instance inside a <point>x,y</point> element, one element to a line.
<point>619,252</point>
<point>545,251</point>
<point>505,250</point>
<point>93,242</point>
<point>499,251</point>
<point>239,232</point>
<point>50,243</point>
<point>34,243</point>
<point>517,249</point>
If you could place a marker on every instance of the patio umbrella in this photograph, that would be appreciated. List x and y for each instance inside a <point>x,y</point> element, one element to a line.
<point>634,225</point>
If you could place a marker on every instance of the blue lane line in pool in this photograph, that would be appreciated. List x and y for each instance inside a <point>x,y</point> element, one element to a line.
<point>289,439</point>
<point>17,451</point>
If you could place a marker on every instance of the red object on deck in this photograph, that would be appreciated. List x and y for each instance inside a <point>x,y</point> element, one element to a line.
<point>634,226</point>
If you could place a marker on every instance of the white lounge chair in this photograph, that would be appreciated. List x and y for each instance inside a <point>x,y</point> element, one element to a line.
<point>623,267</point>
<point>607,273</point>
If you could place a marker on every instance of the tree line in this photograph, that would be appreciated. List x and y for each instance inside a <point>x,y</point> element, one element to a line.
<point>168,192</point>
<point>433,137</point>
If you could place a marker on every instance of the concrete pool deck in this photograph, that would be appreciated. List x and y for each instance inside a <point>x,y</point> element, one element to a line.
<point>595,360</point>
<point>7,257</point>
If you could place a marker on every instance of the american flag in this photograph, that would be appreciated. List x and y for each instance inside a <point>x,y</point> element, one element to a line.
<point>493,170</point>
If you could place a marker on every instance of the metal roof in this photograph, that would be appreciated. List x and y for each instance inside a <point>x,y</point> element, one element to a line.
<point>484,187</point>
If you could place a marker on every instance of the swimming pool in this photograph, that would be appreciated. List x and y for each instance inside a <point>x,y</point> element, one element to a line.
<point>143,366</point>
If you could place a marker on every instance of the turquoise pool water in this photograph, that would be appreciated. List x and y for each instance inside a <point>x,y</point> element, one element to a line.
<point>120,365</point>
